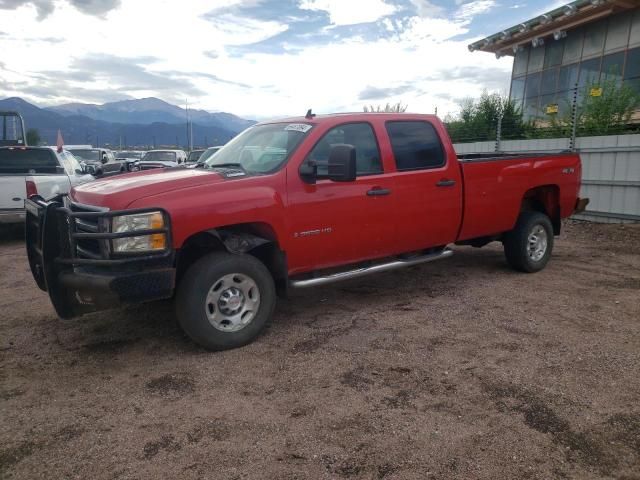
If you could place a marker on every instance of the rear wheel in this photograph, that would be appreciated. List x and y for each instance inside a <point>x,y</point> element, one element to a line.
<point>225,300</point>
<point>529,245</point>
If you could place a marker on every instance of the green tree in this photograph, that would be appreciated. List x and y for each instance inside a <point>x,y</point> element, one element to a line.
<point>478,119</point>
<point>606,108</point>
<point>388,108</point>
<point>33,137</point>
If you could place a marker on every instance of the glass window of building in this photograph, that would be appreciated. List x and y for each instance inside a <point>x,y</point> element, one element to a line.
<point>632,70</point>
<point>589,72</point>
<point>549,81</point>
<point>633,64</point>
<point>530,109</point>
<point>594,39</point>
<point>517,92</point>
<point>618,32</point>
<point>634,36</point>
<point>612,66</point>
<point>536,59</point>
<point>568,77</point>
<point>553,55</point>
<point>533,86</point>
<point>521,61</point>
<point>572,46</point>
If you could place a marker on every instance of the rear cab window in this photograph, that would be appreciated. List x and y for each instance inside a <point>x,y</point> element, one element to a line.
<point>416,145</point>
<point>363,139</point>
<point>27,161</point>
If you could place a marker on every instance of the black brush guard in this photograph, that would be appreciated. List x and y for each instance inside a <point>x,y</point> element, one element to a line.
<point>81,281</point>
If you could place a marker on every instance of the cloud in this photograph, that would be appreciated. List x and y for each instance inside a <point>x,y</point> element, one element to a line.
<point>352,12</point>
<point>382,93</point>
<point>264,58</point>
<point>427,9</point>
<point>95,7</point>
<point>468,11</point>
<point>45,7</point>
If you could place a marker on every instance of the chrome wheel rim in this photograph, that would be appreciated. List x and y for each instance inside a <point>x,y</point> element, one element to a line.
<point>537,243</point>
<point>232,302</point>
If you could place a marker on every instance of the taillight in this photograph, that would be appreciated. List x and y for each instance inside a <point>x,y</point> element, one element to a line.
<point>31,188</point>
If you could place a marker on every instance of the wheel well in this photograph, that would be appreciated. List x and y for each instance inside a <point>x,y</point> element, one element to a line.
<point>544,199</point>
<point>258,240</point>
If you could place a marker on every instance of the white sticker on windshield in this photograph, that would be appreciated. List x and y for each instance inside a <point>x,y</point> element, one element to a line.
<point>298,127</point>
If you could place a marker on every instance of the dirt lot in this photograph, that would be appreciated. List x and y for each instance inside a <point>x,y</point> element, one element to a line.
<point>458,369</point>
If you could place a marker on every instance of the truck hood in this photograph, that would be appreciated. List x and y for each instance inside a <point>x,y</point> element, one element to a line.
<point>120,191</point>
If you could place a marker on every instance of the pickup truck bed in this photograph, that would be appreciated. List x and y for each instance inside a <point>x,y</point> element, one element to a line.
<point>292,203</point>
<point>49,174</point>
<point>499,183</point>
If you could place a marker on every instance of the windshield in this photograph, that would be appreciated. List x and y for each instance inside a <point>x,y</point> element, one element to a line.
<point>160,157</point>
<point>195,155</point>
<point>137,155</point>
<point>91,155</point>
<point>262,149</point>
<point>69,162</point>
<point>208,153</point>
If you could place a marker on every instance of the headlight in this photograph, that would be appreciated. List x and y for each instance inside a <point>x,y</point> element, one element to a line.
<point>135,223</point>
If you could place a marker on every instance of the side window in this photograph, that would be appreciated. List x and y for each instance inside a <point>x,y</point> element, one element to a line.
<point>361,136</point>
<point>416,145</point>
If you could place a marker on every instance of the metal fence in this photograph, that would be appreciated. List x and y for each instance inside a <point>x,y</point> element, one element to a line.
<point>610,170</point>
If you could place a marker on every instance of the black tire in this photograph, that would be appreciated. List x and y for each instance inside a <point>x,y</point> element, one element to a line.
<point>194,309</point>
<point>516,243</point>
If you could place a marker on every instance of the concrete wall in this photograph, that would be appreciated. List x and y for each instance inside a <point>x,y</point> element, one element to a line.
<point>610,171</point>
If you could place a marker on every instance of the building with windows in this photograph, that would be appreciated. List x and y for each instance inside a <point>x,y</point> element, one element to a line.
<point>579,44</point>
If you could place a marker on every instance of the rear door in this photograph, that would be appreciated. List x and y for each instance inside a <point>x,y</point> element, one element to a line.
<point>428,186</point>
<point>333,223</point>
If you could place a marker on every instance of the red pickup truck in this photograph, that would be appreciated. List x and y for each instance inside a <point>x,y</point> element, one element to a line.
<point>292,203</point>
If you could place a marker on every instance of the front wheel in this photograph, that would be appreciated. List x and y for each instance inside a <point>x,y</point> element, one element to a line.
<point>225,300</point>
<point>529,245</point>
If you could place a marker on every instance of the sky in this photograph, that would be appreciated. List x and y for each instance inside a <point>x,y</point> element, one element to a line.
<point>256,58</point>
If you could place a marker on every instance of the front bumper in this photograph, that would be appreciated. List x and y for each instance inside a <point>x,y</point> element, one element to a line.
<point>12,216</point>
<point>67,247</point>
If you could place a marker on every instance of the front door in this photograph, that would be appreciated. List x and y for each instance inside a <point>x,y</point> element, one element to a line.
<point>332,223</point>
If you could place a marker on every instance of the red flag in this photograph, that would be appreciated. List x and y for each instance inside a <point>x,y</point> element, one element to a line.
<point>60,142</point>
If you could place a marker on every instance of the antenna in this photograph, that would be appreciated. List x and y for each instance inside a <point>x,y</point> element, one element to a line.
<point>310,114</point>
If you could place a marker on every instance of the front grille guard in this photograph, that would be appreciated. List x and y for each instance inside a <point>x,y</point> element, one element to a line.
<point>69,235</point>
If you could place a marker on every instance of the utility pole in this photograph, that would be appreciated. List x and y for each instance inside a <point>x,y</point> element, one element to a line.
<point>186,109</point>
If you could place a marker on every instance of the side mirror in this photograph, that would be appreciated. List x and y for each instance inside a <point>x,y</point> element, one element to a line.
<point>342,163</point>
<point>88,169</point>
<point>341,166</point>
<point>104,159</point>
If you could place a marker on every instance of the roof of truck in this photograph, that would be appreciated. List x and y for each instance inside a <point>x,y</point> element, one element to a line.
<point>356,116</point>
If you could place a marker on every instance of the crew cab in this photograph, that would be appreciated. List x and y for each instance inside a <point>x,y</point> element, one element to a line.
<point>35,170</point>
<point>295,203</point>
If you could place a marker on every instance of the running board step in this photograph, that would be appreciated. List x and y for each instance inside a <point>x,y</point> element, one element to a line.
<point>361,272</point>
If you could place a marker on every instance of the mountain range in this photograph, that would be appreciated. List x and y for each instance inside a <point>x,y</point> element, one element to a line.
<point>141,122</point>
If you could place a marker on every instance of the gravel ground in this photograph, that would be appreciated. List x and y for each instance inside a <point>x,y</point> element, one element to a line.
<point>456,369</point>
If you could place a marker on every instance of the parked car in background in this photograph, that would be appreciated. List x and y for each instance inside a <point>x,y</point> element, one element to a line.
<point>194,155</point>
<point>295,203</point>
<point>129,158</point>
<point>162,159</point>
<point>102,159</point>
<point>26,171</point>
